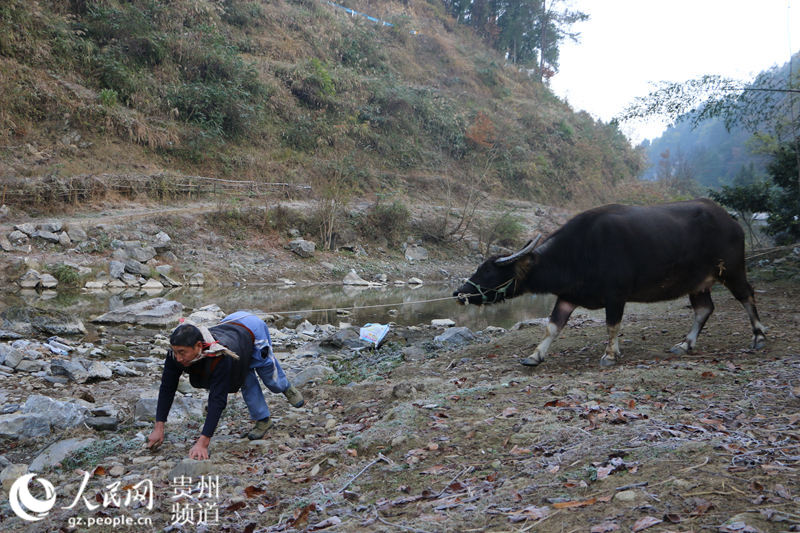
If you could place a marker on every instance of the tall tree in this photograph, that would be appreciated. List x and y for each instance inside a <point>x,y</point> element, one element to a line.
<point>769,107</point>
<point>528,32</point>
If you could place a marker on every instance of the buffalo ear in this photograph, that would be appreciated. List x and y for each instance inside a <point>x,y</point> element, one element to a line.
<point>516,255</point>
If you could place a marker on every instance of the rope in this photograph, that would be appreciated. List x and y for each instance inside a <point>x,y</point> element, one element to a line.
<point>360,306</point>
<point>769,251</point>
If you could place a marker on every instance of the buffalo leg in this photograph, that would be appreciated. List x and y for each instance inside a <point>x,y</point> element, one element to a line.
<point>703,307</point>
<point>558,319</point>
<point>743,292</point>
<point>614,313</point>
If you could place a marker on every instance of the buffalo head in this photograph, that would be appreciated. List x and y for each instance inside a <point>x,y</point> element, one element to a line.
<point>495,280</point>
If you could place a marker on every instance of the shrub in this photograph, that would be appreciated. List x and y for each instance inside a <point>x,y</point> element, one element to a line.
<point>316,87</point>
<point>359,49</point>
<point>387,220</point>
<point>108,97</point>
<point>66,275</point>
<point>224,108</point>
<point>242,14</point>
<point>503,229</point>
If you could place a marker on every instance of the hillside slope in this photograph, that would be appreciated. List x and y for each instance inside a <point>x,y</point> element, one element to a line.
<point>290,91</point>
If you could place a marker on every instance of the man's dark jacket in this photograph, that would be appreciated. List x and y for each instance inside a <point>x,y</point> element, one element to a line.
<point>220,375</point>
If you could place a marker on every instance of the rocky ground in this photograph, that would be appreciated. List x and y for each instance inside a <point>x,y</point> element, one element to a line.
<point>438,430</point>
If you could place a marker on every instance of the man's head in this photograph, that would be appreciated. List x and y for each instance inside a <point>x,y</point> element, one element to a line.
<point>187,343</point>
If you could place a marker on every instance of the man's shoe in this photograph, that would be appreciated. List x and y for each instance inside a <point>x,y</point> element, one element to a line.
<point>260,429</point>
<point>294,397</point>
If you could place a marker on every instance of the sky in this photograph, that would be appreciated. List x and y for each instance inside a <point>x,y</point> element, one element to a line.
<point>629,44</point>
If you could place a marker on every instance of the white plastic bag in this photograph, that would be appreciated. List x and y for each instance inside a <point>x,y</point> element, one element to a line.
<point>374,333</point>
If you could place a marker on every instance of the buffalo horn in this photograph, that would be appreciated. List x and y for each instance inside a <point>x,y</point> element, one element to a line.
<point>516,255</point>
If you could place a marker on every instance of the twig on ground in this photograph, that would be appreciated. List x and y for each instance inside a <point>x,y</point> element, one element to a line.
<point>380,458</point>
<point>632,486</point>
<point>464,471</point>
<point>539,521</point>
<point>704,463</point>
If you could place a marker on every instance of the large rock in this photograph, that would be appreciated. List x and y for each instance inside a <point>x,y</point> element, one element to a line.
<point>29,280</point>
<point>60,414</point>
<point>99,370</point>
<point>153,312</point>
<point>209,315</point>
<point>53,226</point>
<point>142,254</point>
<point>24,426</point>
<point>455,336</point>
<point>77,234</point>
<point>26,365</point>
<point>136,268</point>
<point>10,474</point>
<point>10,356</point>
<point>48,281</point>
<point>27,320</point>
<point>57,452</point>
<point>152,285</point>
<point>354,279</point>
<point>302,247</point>
<point>63,239</point>
<point>416,253</point>
<point>116,269</point>
<point>345,338</point>
<point>311,373</point>
<point>103,423</point>
<point>17,237</point>
<point>168,281</point>
<point>72,368</point>
<point>162,242</point>
<point>27,228</point>
<point>182,407</point>
<point>48,236</point>
<point>193,469</point>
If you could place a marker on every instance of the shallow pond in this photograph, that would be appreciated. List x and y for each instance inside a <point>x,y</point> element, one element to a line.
<point>402,305</point>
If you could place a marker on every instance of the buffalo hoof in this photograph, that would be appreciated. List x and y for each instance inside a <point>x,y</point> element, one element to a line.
<point>679,349</point>
<point>607,361</point>
<point>759,342</point>
<point>530,361</point>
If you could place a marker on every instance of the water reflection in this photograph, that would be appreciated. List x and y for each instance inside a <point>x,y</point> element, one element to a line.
<point>403,305</point>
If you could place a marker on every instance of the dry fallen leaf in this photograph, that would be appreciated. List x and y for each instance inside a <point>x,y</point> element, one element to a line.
<point>529,513</point>
<point>575,503</point>
<point>436,469</point>
<point>99,471</point>
<point>252,491</point>
<point>301,515</point>
<point>644,523</point>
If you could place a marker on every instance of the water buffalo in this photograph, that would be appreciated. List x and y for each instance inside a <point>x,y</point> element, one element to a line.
<point>610,255</point>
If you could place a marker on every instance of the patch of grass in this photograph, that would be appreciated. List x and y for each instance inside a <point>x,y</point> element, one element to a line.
<point>366,365</point>
<point>66,275</point>
<point>89,457</point>
<point>389,220</point>
<point>235,222</point>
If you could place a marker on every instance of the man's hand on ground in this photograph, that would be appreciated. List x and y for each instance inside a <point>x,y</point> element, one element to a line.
<point>200,449</point>
<point>156,438</point>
